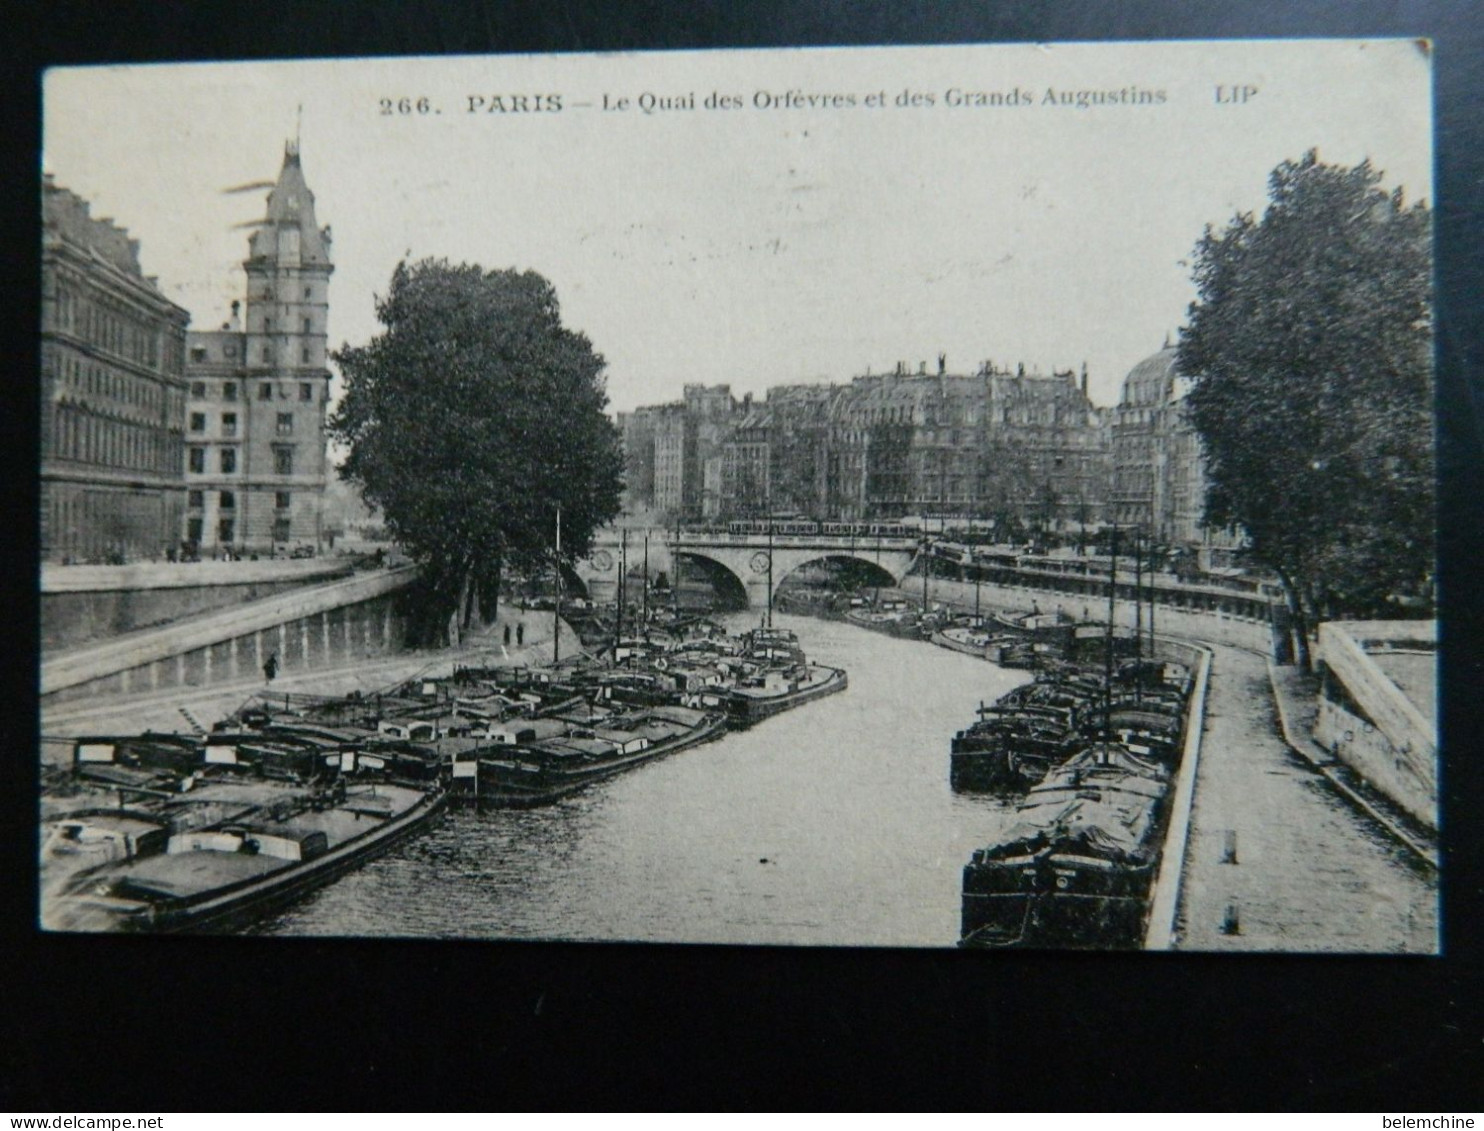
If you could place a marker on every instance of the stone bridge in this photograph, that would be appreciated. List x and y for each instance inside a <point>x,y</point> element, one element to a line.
<point>740,559</point>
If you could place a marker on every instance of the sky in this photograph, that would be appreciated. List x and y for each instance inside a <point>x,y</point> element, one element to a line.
<point>772,242</point>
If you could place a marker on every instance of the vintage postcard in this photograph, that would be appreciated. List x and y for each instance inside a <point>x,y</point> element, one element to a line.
<point>933,497</point>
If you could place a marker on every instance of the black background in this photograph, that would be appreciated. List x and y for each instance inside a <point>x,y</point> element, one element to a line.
<point>89,1024</point>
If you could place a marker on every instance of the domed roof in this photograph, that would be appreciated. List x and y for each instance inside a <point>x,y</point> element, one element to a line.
<point>1151,382</point>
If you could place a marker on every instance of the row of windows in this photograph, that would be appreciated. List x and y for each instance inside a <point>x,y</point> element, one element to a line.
<point>308,325</point>
<point>81,436</point>
<point>265,293</point>
<point>283,460</point>
<point>227,500</point>
<point>200,390</point>
<point>226,530</point>
<point>285,425</point>
<point>100,381</point>
<point>105,328</point>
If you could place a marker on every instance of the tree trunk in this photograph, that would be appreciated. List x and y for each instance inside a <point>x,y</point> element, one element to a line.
<point>459,621</point>
<point>493,611</point>
<point>1299,621</point>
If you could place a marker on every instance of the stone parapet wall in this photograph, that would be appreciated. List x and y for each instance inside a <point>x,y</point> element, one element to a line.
<point>81,605</point>
<point>305,629</point>
<point>1367,721</point>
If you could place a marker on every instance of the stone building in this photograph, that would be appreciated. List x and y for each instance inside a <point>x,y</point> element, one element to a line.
<point>673,453</point>
<point>887,445</point>
<point>256,464</point>
<point>994,443</point>
<point>112,392</point>
<point>1159,478</point>
<point>636,430</point>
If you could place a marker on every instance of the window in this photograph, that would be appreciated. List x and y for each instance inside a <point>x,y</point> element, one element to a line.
<point>195,499</point>
<point>193,531</point>
<point>229,424</point>
<point>267,325</point>
<point>285,423</point>
<point>309,325</point>
<point>308,292</point>
<point>267,354</point>
<point>198,390</point>
<point>229,500</point>
<point>229,391</point>
<point>282,530</point>
<point>198,459</point>
<point>281,500</point>
<point>226,529</point>
<point>198,422</point>
<point>198,353</point>
<point>283,461</point>
<point>304,355</point>
<point>306,390</point>
<point>265,392</point>
<point>229,460</point>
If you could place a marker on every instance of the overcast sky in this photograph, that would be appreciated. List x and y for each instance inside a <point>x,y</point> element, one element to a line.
<point>753,246</point>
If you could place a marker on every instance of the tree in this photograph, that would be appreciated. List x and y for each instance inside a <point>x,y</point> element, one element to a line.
<point>470,419</point>
<point>1311,348</point>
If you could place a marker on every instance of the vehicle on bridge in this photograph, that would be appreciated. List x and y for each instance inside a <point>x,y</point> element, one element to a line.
<point>807,527</point>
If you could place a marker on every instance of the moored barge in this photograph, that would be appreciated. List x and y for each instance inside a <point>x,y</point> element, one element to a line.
<point>1077,867</point>
<point>211,845</point>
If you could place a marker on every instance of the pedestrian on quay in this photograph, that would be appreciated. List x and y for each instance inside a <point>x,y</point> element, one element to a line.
<point>507,634</point>
<point>270,667</point>
<point>520,634</point>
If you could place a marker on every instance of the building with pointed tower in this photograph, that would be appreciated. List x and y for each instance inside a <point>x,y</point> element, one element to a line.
<point>256,464</point>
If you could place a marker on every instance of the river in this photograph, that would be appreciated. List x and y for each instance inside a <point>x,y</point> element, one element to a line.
<point>830,824</point>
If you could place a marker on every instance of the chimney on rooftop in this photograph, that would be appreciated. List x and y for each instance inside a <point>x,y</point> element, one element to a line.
<point>236,324</point>
<point>1084,379</point>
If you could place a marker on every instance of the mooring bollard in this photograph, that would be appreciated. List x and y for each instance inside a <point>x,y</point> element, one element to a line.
<point>1229,848</point>
<point>1231,923</point>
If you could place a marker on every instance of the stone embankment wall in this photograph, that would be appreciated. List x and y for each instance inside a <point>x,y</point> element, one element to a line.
<point>1368,722</point>
<point>1216,627</point>
<point>84,604</point>
<point>306,629</point>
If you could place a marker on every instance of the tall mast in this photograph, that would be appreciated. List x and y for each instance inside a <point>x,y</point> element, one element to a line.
<point>1138,595</point>
<point>1152,594</point>
<point>556,617</point>
<point>623,569</point>
<point>646,581</point>
<point>1108,653</point>
<point>770,570</point>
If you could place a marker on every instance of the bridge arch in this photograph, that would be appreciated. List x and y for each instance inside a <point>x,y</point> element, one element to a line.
<point>731,588</point>
<point>853,571</point>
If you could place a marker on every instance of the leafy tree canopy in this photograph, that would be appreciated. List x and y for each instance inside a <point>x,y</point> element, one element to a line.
<point>470,419</point>
<point>1311,347</point>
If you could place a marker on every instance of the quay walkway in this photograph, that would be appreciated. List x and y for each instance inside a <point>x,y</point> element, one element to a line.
<point>1277,860</point>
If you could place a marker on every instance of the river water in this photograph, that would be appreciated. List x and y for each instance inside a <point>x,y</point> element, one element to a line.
<point>829,824</point>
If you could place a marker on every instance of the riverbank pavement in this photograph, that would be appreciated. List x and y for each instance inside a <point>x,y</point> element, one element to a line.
<point>1277,859</point>
<point>1295,694</point>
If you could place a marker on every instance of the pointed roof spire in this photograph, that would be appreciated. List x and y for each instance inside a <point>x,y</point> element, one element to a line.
<point>290,204</point>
